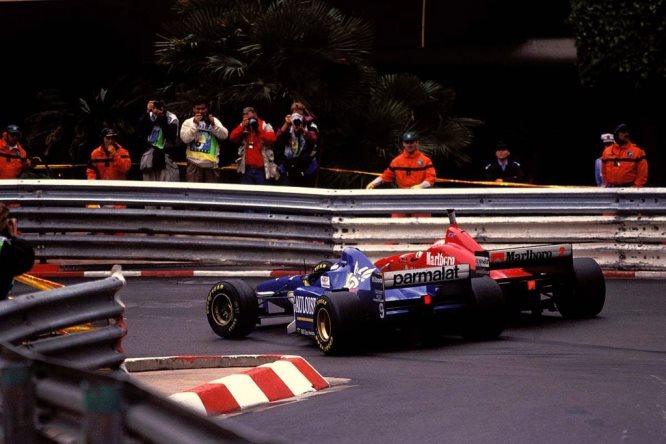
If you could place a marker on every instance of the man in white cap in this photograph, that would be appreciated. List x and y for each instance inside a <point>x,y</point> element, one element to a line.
<point>607,140</point>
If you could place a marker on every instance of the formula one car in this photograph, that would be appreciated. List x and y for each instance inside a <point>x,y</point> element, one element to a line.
<point>339,302</point>
<point>534,278</point>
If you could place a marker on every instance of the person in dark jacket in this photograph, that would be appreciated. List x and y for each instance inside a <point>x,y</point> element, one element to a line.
<point>16,255</point>
<point>160,128</point>
<point>296,147</point>
<point>503,169</point>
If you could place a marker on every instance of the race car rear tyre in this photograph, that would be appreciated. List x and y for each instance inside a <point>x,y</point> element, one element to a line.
<point>487,315</point>
<point>232,309</point>
<point>336,318</point>
<point>584,295</point>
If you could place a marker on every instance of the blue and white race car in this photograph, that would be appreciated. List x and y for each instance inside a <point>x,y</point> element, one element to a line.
<point>339,300</point>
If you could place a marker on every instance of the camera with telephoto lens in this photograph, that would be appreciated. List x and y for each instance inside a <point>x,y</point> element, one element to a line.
<point>254,124</point>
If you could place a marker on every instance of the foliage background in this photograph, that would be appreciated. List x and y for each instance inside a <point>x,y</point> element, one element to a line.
<point>76,49</point>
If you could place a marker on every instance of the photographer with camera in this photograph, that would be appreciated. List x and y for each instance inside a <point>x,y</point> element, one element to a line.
<point>160,127</point>
<point>297,149</point>
<point>202,133</point>
<point>16,255</point>
<point>256,160</point>
<point>109,161</point>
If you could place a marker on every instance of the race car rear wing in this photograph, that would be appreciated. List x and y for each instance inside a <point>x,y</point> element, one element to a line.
<point>423,276</point>
<point>539,258</point>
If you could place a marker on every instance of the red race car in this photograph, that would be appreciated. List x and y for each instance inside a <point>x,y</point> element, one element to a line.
<point>534,278</point>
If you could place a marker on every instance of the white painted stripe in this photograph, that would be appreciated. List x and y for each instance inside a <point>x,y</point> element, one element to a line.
<point>243,389</point>
<point>97,274</point>
<point>190,400</point>
<point>217,273</point>
<point>291,376</point>
<point>650,274</point>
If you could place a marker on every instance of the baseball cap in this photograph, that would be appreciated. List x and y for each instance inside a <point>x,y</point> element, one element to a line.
<point>409,136</point>
<point>622,127</point>
<point>501,146</point>
<point>13,129</point>
<point>607,138</point>
<point>109,132</point>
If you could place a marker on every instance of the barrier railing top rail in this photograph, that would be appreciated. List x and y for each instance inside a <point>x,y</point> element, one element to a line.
<point>287,200</point>
<point>38,322</point>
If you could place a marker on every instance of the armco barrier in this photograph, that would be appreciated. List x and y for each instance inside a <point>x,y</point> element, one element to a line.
<point>36,322</point>
<point>615,242</point>
<point>235,225</point>
<point>45,401</point>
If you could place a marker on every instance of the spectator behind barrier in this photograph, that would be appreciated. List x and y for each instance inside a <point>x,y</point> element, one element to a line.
<point>503,169</point>
<point>623,163</point>
<point>606,140</point>
<point>256,159</point>
<point>202,133</point>
<point>109,161</point>
<point>13,158</point>
<point>160,127</point>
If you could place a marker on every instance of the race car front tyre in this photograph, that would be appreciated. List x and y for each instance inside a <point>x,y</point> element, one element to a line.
<point>582,296</point>
<point>232,309</point>
<point>336,317</point>
<point>487,314</point>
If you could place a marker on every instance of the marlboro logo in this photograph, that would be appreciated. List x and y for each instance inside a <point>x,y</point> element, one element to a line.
<point>534,254</point>
<point>497,257</point>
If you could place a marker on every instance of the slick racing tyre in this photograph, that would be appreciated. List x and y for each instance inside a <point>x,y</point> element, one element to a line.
<point>336,318</point>
<point>487,316</point>
<point>583,296</point>
<point>232,309</point>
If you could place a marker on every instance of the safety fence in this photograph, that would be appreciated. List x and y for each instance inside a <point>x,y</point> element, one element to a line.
<point>50,343</point>
<point>44,400</point>
<point>82,324</point>
<point>235,225</point>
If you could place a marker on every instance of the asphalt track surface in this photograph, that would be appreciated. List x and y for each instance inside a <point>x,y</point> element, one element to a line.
<point>546,380</point>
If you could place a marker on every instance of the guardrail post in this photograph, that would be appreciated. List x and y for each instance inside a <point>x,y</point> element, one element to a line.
<point>103,410</point>
<point>18,402</point>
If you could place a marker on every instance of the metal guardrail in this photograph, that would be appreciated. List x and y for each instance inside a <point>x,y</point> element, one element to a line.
<point>46,401</point>
<point>48,393</point>
<point>292,200</point>
<point>237,225</point>
<point>615,242</point>
<point>36,321</point>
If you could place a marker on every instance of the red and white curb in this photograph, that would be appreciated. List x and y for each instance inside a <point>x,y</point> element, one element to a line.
<point>286,377</point>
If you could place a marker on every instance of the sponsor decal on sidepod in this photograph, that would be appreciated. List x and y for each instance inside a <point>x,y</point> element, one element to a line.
<point>422,276</point>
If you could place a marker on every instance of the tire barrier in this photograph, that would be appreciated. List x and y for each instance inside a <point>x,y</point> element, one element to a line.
<point>237,225</point>
<point>42,323</point>
<point>46,401</point>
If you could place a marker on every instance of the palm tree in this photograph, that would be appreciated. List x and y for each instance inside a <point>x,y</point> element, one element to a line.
<point>69,127</point>
<point>267,54</point>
